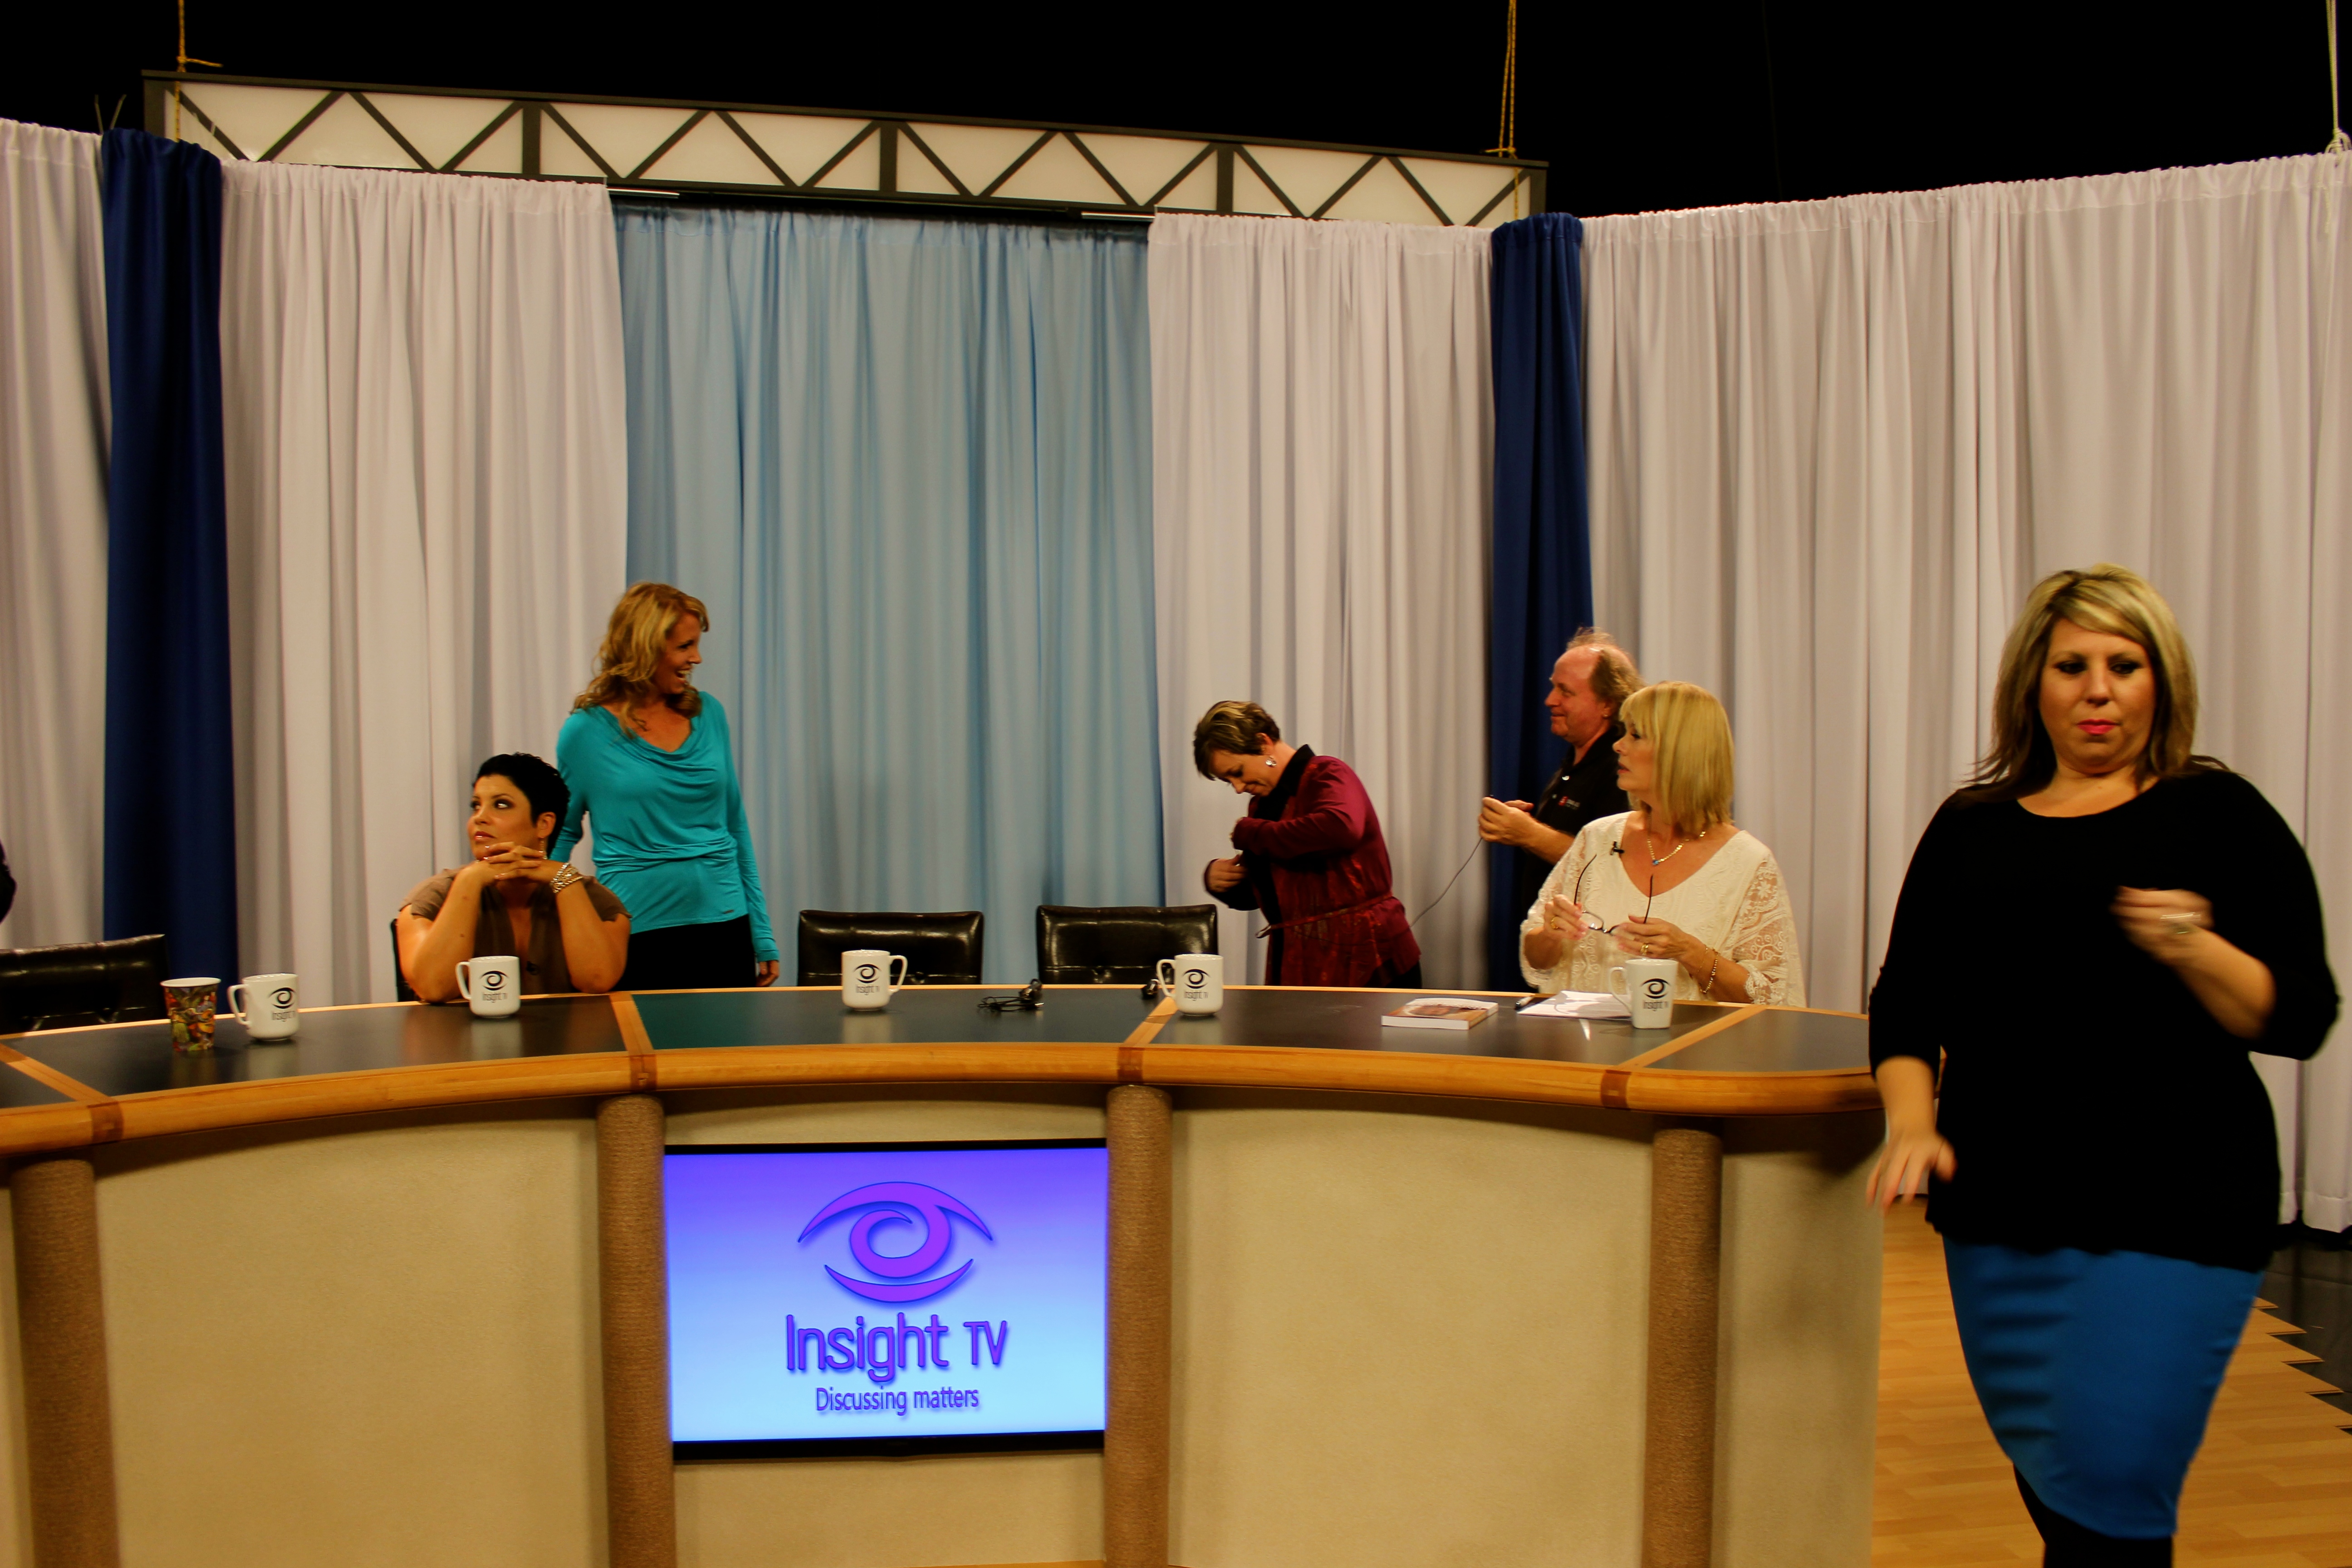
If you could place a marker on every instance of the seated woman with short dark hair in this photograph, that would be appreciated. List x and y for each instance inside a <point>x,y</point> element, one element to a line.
<point>570,930</point>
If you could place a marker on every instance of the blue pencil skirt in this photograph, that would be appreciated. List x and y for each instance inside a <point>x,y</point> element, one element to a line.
<point>2097,1370</point>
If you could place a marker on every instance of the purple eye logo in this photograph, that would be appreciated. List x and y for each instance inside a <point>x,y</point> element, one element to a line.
<point>867,974</point>
<point>1195,979</point>
<point>897,1203</point>
<point>1654,989</point>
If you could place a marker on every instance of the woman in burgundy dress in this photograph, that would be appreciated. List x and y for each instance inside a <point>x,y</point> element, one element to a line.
<point>1312,860</point>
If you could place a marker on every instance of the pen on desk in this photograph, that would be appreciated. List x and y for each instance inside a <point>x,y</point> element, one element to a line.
<point>1525,1002</point>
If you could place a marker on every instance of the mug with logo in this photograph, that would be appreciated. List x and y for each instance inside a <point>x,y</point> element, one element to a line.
<point>1197,981</point>
<point>866,980</point>
<point>491,986</point>
<point>189,1002</point>
<point>1646,986</point>
<point>265,1005</point>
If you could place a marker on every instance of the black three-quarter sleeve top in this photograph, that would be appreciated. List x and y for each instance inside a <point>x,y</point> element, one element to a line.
<point>2090,1100</point>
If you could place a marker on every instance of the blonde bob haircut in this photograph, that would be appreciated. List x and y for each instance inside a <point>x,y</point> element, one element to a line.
<point>2106,598</point>
<point>1241,728</point>
<point>1690,736</point>
<point>632,649</point>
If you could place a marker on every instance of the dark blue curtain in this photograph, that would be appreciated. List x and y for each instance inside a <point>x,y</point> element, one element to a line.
<point>1543,563</point>
<point>170,809</point>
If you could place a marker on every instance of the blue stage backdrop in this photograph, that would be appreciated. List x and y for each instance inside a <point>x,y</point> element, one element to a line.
<point>1542,555</point>
<point>907,464</point>
<point>170,805</point>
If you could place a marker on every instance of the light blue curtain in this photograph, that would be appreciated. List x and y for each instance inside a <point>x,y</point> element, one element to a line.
<point>906,463</point>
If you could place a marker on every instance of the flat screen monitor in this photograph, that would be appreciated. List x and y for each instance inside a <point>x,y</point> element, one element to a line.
<point>886,1298</point>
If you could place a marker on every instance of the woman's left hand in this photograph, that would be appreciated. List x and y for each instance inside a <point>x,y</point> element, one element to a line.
<point>767,972</point>
<point>1658,939</point>
<point>510,862</point>
<point>2170,924</point>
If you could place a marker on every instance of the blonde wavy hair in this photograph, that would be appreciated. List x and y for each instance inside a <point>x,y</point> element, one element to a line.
<point>1690,737</point>
<point>2105,598</point>
<point>632,649</point>
<point>1232,725</point>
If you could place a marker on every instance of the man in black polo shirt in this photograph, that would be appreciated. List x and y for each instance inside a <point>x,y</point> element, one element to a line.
<point>1587,683</point>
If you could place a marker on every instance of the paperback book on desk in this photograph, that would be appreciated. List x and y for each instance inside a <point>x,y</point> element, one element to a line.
<point>1441,1013</point>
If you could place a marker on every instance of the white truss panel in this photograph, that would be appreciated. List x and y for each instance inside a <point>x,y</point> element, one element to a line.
<point>1060,173</point>
<point>252,117</point>
<point>1461,188</point>
<point>623,133</point>
<point>712,155</point>
<point>561,156</point>
<point>978,153</point>
<point>1307,175</point>
<point>1382,197</point>
<point>347,137</point>
<point>1198,191</point>
<point>192,130</point>
<point>1504,212</point>
<point>861,171</point>
<point>1144,163</point>
<point>501,154</point>
<point>917,176</point>
<point>800,143</point>
<point>1251,194</point>
<point>438,127</point>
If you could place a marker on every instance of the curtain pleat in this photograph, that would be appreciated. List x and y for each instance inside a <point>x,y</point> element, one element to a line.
<point>1542,557</point>
<point>1323,446</point>
<point>53,534</point>
<point>907,464</point>
<point>1834,443</point>
<point>170,799</point>
<point>426,483</point>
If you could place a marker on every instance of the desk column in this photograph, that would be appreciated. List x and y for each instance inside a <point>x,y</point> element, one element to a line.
<point>61,1327</point>
<point>640,1489</point>
<point>1135,1433</point>
<point>1686,1268</point>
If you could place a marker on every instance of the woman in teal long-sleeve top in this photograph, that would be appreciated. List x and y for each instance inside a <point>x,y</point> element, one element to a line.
<point>650,763</point>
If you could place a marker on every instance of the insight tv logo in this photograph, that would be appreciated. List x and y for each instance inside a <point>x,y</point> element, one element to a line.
<point>883,1349</point>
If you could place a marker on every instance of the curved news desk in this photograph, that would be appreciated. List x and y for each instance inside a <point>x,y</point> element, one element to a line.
<point>1550,1291</point>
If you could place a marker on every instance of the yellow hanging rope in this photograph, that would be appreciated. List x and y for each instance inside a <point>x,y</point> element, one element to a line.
<point>186,60</point>
<point>1507,131</point>
<point>2339,142</point>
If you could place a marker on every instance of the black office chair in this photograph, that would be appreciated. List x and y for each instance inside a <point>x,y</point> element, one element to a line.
<point>82,983</point>
<point>939,950</point>
<point>400,989</point>
<point>1120,946</point>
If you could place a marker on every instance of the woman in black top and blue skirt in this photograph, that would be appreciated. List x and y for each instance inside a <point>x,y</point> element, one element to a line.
<point>2102,1164</point>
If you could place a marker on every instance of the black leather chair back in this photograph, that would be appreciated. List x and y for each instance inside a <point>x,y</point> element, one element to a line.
<point>1118,946</point>
<point>402,990</point>
<point>941,950</point>
<point>82,983</point>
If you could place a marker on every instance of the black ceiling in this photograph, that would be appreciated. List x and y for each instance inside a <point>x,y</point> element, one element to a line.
<point>1636,107</point>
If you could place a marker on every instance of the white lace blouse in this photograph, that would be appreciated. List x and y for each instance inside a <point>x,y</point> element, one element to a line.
<point>1736,904</point>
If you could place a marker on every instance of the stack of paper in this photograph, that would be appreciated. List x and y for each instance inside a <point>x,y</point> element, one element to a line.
<point>1577,1004</point>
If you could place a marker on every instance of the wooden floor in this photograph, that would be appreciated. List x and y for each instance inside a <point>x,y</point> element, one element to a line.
<point>2273,1488</point>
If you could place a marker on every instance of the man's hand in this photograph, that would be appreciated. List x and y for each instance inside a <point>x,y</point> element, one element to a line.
<point>1224,874</point>
<point>1505,821</point>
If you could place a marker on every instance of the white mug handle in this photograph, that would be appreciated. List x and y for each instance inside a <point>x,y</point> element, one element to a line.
<point>465,979</point>
<point>235,1008</point>
<point>1165,971</point>
<point>899,960</point>
<point>1617,986</point>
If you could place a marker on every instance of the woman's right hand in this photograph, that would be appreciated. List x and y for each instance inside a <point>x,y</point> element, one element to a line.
<point>1563,917</point>
<point>1224,874</point>
<point>1911,1152</point>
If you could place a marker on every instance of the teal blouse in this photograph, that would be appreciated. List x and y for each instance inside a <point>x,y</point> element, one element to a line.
<point>671,836</point>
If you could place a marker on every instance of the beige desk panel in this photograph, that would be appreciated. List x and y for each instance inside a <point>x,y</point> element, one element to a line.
<point>1409,1331</point>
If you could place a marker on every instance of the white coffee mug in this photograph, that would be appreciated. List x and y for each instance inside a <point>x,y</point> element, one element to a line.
<point>1197,981</point>
<point>867,978</point>
<point>491,986</point>
<point>265,1005</point>
<point>1646,986</point>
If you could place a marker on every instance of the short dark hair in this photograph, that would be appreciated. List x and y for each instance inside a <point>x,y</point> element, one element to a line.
<point>542,787</point>
<point>1241,728</point>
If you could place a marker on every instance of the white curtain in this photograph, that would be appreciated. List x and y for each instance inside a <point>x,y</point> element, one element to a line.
<point>1322,452</point>
<point>1833,443</point>
<point>426,495</point>
<point>53,455</point>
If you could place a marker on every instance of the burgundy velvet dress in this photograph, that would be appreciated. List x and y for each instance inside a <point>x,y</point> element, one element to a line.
<point>1315,864</point>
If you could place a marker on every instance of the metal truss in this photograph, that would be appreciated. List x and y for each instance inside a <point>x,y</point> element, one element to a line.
<point>665,146</point>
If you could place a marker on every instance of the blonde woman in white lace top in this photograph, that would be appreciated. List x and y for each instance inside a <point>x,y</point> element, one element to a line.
<point>1673,878</point>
